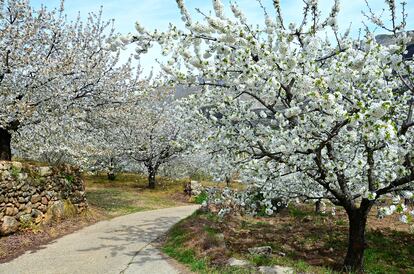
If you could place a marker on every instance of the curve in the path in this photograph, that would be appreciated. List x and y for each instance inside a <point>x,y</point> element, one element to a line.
<point>118,246</point>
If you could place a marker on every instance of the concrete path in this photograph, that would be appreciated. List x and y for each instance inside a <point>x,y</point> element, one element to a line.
<point>119,246</point>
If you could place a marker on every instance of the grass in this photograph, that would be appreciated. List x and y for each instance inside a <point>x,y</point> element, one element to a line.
<point>174,247</point>
<point>389,254</point>
<point>315,244</point>
<point>128,193</point>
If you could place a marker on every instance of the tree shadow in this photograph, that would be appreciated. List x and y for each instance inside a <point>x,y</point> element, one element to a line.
<point>122,239</point>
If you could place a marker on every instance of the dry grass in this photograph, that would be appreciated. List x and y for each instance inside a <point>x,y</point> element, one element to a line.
<point>36,236</point>
<point>309,242</point>
<point>128,193</point>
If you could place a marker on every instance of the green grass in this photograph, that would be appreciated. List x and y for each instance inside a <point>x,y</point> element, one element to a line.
<point>113,201</point>
<point>174,247</point>
<point>388,251</point>
<point>201,198</point>
<point>128,193</point>
<point>393,254</point>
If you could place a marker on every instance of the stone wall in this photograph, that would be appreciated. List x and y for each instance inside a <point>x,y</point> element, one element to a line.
<point>32,194</point>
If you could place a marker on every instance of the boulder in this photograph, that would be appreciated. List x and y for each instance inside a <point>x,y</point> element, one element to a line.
<point>57,210</point>
<point>237,262</point>
<point>261,250</point>
<point>10,225</point>
<point>36,198</point>
<point>275,270</point>
<point>45,171</point>
<point>196,188</point>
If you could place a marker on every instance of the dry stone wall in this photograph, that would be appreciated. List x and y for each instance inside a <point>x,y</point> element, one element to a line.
<point>32,194</point>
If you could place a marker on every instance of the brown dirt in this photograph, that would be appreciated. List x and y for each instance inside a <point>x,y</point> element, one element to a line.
<point>315,239</point>
<point>36,238</point>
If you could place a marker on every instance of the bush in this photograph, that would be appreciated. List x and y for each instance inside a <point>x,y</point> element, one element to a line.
<point>201,198</point>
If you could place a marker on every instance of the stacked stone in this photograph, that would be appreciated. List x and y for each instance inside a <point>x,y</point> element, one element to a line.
<point>28,193</point>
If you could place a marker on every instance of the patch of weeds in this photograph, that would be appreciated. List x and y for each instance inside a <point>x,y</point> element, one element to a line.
<point>210,230</point>
<point>260,260</point>
<point>297,212</point>
<point>33,173</point>
<point>69,209</point>
<point>202,197</point>
<point>301,266</point>
<point>340,222</point>
<point>15,172</point>
<point>174,247</point>
<point>261,224</point>
<point>27,224</point>
<point>70,178</point>
<point>212,217</point>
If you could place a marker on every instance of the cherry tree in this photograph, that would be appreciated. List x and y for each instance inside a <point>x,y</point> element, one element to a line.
<point>155,139</point>
<point>141,129</point>
<point>50,65</point>
<point>315,112</point>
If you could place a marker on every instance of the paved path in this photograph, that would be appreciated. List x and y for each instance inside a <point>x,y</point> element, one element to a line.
<point>119,246</point>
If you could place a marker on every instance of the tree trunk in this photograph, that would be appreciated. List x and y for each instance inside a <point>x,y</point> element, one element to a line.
<point>5,145</point>
<point>111,176</point>
<point>318,206</point>
<point>354,260</point>
<point>151,178</point>
<point>111,173</point>
<point>228,181</point>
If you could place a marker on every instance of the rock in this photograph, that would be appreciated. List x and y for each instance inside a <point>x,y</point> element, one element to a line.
<point>196,188</point>
<point>45,171</point>
<point>9,211</point>
<point>44,201</point>
<point>275,270</point>
<point>43,208</point>
<point>213,208</point>
<point>26,218</point>
<point>36,198</point>
<point>261,250</point>
<point>10,225</point>
<point>57,210</point>
<point>22,176</point>
<point>220,236</point>
<point>237,262</point>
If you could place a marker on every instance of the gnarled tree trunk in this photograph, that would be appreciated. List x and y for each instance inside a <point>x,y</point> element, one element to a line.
<point>5,145</point>
<point>354,260</point>
<point>152,172</point>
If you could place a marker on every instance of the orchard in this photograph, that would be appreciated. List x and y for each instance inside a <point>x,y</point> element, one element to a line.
<point>305,110</point>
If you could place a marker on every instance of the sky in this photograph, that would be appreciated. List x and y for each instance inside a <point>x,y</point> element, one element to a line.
<point>156,14</point>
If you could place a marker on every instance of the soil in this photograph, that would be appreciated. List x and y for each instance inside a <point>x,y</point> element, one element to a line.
<point>319,240</point>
